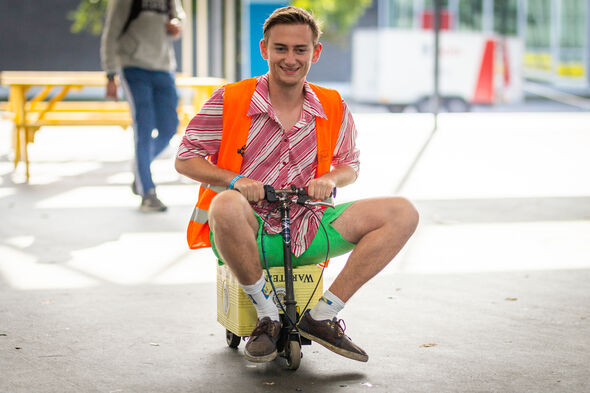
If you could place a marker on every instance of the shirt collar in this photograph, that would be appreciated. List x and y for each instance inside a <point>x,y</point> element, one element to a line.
<point>260,102</point>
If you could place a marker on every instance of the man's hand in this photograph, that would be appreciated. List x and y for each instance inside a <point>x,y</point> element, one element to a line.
<point>321,188</point>
<point>111,93</point>
<point>174,28</point>
<point>253,190</point>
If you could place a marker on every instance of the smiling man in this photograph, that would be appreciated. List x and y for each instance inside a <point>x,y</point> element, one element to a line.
<point>278,129</point>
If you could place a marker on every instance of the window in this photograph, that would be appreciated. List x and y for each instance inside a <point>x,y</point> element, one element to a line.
<point>505,22</point>
<point>470,15</point>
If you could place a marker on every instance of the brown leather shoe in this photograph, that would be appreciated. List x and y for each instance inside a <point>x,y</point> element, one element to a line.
<point>330,334</point>
<point>262,343</point>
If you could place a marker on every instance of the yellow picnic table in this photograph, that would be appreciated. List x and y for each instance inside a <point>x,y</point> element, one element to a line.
<point>46,107</point>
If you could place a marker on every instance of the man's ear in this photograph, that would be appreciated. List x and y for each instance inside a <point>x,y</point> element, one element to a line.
<point>263,50</point>
<point>317,50</point>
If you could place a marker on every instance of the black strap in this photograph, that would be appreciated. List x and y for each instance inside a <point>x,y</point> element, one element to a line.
<point>169,5</point>
<point>135,10</point>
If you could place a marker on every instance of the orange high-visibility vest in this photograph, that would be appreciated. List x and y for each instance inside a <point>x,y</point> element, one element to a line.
<point>236,126</point>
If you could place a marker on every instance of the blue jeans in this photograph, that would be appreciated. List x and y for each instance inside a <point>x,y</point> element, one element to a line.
<point>153,101</point>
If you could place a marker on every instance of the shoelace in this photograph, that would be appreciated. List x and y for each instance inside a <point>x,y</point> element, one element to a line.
<point>341,326</point>
<point>266,326</point>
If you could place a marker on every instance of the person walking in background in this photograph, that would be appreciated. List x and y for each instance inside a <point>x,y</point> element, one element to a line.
<point>137,44</point>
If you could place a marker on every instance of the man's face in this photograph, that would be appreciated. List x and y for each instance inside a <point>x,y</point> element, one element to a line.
<point>289,52</point>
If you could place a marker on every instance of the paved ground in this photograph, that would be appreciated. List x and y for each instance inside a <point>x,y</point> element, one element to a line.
<point>490,295</point>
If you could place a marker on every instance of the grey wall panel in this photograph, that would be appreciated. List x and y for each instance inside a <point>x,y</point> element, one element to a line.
<point>35,35</point>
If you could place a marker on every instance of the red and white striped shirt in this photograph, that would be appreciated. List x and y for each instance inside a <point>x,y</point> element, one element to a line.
<point>273,155</point>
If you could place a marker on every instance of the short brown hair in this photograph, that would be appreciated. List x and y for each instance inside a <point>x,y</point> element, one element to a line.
<point>292,16</point>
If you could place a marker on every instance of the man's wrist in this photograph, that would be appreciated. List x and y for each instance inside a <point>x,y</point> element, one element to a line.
<point>233,181</point>
<point>111,76</point>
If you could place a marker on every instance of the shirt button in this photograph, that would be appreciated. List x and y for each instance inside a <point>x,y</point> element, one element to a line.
<point>284,162</point>
<point>286,140</point>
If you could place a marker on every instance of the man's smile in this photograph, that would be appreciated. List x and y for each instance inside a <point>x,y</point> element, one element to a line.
<point>290,70</point>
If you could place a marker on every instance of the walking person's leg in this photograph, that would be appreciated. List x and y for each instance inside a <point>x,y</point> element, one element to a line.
<point>166,105</point>
<point>138,85</point>
<point>379,227</point>
<point>235,228</point>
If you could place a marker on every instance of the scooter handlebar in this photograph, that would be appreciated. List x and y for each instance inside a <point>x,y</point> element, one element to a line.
<point>274,195</point>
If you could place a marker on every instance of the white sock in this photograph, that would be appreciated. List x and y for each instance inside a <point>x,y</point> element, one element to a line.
<point>327,307</point>
<point>262,301</point>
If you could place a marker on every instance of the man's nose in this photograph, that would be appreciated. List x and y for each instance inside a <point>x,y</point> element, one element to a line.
<point>290,59</point>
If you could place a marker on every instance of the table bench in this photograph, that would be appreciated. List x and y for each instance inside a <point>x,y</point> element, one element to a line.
<point>48,108</point>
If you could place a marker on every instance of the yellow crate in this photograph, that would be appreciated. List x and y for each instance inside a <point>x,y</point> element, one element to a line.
<point>234,308</point>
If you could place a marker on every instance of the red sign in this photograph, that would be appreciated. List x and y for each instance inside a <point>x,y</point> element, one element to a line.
<point>428,20</point>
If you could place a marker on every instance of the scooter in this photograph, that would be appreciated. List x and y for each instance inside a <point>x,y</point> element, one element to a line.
<point>290,341</point>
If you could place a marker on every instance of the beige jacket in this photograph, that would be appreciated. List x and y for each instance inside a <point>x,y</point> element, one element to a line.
<point>145,44</point>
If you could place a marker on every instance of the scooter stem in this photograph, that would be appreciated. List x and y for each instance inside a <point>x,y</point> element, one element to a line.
<point>290,303</point>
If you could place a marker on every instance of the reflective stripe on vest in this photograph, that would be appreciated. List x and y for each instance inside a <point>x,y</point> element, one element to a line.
<point>200,215</point>
<point>236,126</point>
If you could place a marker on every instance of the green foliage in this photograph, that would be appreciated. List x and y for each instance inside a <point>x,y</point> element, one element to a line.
<point>89,16</point>
<point>337,16</point>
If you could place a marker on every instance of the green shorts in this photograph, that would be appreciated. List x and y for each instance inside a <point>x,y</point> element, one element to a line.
<point>315,253</point>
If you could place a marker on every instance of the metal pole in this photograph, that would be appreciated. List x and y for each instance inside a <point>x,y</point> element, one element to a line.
<point>202,23</point>
<point>187,43</point>
<point>436,60</point>
<point>383,14</point>
<point>215,40</point>
<point>229,41</point>
<point>555,23</point>
<point>435,98</point>
<point>488,16</point>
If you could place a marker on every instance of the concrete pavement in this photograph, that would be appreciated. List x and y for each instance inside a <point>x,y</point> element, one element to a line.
<point>490,295</point>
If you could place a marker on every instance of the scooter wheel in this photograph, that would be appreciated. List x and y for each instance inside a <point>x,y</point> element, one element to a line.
<point>233,340</point>
<point>293,355</point>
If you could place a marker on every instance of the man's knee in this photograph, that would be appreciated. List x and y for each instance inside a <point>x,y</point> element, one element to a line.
<point>393,214</point>
<point>229,209</point>
<point>224,207</point>
<point>402,212</point>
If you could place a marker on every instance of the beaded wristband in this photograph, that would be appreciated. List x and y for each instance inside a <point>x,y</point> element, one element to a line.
<point>233,181</point>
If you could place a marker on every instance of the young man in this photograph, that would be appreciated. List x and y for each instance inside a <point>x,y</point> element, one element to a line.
<point>278,129</point>
<point>137,44</point>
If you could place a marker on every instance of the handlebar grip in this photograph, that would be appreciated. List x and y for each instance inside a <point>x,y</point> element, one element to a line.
<point>333,194</point>
<point>269,194</point>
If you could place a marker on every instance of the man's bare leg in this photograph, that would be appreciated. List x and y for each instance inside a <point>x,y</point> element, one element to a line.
<point>235,228</point>
<point>379,227</point>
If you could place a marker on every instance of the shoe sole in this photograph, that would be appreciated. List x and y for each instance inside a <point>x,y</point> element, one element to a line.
<point>335,349</point>
<point>152,210</point>
<point>260,359</point>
